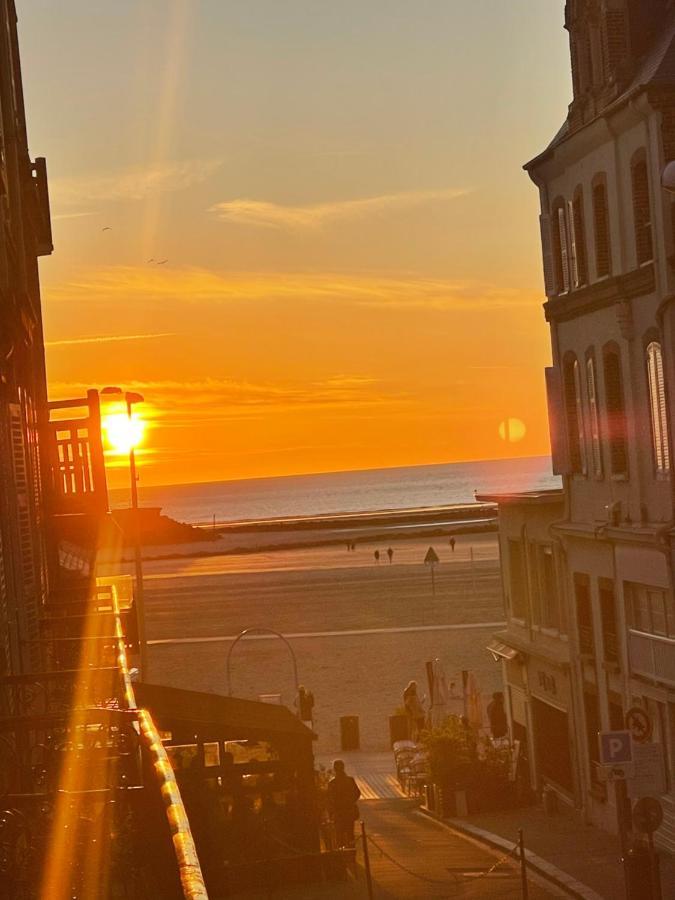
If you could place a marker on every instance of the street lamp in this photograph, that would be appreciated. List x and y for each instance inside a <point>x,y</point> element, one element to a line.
<point>125,433</point>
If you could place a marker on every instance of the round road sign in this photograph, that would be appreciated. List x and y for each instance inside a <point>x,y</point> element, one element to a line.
<point>647,815</point>
<point>639,724</point>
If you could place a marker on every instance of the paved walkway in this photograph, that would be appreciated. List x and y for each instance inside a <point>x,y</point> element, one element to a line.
<point>414,858</point>
<point>587,854</point>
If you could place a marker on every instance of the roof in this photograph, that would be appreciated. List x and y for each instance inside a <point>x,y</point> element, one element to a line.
<point>551,495</point>
<point>657,68</point>
<point>230,717</point>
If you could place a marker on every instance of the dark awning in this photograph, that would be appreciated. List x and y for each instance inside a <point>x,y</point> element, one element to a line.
<point>215,717</point>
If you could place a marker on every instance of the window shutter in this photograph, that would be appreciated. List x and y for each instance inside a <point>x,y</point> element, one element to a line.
<point>564,248</point>
<point>657,404</point>
<point>574,259</point>
<point>556,422</point>
<point>596,450</point>
<point>547,255</point>
<point>22,485</point>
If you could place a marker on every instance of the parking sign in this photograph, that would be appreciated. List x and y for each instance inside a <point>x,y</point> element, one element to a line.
<point>615,748</point>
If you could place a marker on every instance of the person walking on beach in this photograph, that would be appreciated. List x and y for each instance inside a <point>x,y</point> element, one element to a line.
<point>377,556</point>
<point>452,544</point>
<point>343,793</point>
<point>390,554</point>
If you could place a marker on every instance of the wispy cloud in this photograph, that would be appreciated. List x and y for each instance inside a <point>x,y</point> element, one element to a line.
<point>128,284</point>
<point>107,339</point>
<point>74,215</point>
<point>264,214</point>
<point>130,184</point>
<point>178,404</point>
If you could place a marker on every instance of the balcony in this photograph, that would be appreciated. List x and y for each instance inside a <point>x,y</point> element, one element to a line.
<point>90,805</point>
<point>652,657</point>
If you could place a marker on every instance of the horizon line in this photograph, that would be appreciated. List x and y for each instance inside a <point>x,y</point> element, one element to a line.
<point>335,472</point>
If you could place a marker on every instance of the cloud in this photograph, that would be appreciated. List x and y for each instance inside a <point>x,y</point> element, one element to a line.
<point>121,285</point>
<point>272,215</point>
<point>178,404</point>
<point>130,184</point>
<point>107,339</point>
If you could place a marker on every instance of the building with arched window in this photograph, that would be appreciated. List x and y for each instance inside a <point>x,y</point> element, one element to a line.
<point>602,550</point>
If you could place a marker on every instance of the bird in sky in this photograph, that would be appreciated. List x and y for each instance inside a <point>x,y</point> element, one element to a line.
<point>107,228</point>
<point>151,260</point>
<point>162,261</point>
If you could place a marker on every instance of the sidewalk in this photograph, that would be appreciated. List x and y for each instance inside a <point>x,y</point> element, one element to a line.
<point>590,856</point>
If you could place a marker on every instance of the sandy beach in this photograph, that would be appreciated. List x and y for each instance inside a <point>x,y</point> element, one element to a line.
<point>360,630</point>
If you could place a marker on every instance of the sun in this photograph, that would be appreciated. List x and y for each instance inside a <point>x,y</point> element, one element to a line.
<point>123,432</point>
<point>512,430</point>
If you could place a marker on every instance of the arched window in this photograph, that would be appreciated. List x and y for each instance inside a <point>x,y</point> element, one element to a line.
<point>592,392</point>
<point>616,412</point>
<point>578,229</point>
<point>642,217</point>
<point>603,255</point>
<point>574,415</point>
<point>561,249</point>
<point>657,407</point>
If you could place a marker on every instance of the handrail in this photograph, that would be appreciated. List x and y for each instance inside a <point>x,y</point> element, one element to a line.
<point>189,869</point>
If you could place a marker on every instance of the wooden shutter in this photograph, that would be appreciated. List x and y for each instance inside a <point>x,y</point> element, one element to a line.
<point>547,255</point>
<point>556,422</point>
<point>573,242</point>
<point>25,528</point>
<point>564,249</point>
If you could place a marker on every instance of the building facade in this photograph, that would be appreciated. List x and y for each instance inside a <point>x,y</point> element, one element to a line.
<point>608,240</point>
<point>25,235</point>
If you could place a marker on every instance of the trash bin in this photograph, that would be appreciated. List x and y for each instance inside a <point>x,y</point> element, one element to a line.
<point>398,729</point>
<point>349,733</point>
<point>640,880</point>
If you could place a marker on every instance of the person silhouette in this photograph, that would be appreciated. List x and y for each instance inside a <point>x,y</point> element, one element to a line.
<point>376,554</point>
<point>390,554</point>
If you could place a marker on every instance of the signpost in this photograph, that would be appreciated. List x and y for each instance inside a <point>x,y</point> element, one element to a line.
<point>431,559</point>
<point>615,748</point>
<point>648,779</point>
<point>639,724</point>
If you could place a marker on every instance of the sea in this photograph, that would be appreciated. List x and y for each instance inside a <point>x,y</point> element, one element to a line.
<point>369,490</point>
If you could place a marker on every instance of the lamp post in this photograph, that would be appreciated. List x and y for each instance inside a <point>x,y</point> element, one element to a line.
<point>130,398</point>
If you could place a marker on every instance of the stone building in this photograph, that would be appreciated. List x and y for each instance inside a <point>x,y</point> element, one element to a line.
<point>588,573</point>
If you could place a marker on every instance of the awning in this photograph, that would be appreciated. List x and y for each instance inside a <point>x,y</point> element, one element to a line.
<point>497,648</point>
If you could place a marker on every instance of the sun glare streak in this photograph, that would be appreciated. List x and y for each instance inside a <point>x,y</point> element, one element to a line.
<point>80,850</point>
<point>175,52</point>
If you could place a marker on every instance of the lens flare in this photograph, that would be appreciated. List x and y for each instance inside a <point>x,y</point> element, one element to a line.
<point>512,430</point>
<point>123,432</point>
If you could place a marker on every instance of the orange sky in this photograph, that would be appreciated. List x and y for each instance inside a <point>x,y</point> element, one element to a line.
<point>352,273</point>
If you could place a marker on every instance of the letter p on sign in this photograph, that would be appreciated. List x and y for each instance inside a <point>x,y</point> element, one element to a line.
<point>615,748</point>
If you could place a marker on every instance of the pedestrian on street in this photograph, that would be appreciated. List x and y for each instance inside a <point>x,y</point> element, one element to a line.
<point>415,709</point>
<point>305,704</point>
<point>497,716</point>
<point>343,793</point>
